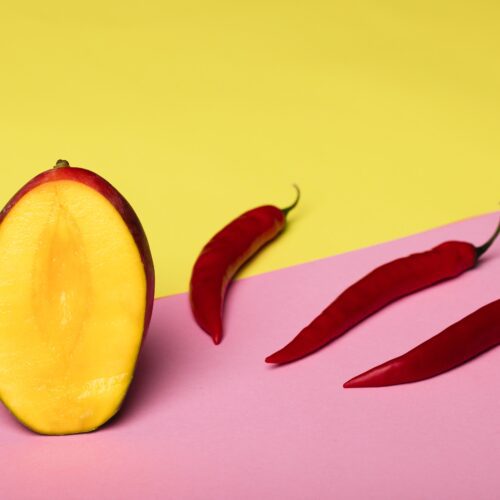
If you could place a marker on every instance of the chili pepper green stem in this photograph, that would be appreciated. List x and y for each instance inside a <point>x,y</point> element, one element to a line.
<point>480,250</point>
<point>294,204</point>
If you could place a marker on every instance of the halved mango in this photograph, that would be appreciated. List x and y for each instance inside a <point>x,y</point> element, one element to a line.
<point>76,294</point>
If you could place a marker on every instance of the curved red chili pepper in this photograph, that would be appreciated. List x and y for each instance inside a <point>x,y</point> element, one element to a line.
<point>224,254</point>
<point>379,288</point>
<point>455,345</point>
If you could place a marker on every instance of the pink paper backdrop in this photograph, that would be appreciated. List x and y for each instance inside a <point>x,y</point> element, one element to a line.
<point>216,422</point>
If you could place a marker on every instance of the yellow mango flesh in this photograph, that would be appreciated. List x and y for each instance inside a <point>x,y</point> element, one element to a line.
<point>72,306</point>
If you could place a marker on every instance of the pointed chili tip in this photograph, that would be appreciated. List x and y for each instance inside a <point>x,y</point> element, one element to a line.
<point>352,383</point>
<point>277,359</point>
<point>367,379</point>
<point>388,373</point>
<point>294,204</point>
<point>287,354</point>
<point>216,338</point>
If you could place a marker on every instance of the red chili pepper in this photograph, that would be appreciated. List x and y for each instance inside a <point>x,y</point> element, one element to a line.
<point>379,288</point>
<point>455,345</point>
<point>224,254</point>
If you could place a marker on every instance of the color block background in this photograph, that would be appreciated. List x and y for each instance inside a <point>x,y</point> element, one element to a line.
<point>386,114</point>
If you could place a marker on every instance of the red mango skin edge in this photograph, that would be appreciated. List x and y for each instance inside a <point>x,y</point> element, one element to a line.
<point>122,206</point>
<point>223,256</point>
<point>460,342</point>
<point>379,288</point>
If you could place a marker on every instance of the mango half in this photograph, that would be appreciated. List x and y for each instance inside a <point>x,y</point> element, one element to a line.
<point>76,297</point>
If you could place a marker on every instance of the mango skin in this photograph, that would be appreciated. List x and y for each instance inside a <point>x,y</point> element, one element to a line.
<point>99,184</point>
<point>122,206</point>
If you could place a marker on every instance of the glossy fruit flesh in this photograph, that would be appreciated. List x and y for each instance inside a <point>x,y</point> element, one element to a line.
<point>72,307</point>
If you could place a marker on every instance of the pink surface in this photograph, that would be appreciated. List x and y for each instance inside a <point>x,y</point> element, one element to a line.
<point>216,422</point>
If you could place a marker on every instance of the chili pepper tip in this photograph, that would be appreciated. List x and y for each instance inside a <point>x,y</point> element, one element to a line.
<point>274,359</point>
<point>366,379</point>
<point>279,358</point>
<point>352,384</point>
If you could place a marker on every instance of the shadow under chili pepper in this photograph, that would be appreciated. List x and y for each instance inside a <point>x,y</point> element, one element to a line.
<point>485,259</point>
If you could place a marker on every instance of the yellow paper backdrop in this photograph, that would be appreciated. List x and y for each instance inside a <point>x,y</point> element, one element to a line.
<point>385,113</point>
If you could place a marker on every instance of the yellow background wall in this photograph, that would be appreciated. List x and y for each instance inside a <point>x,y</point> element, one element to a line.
<point>385,113</point>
